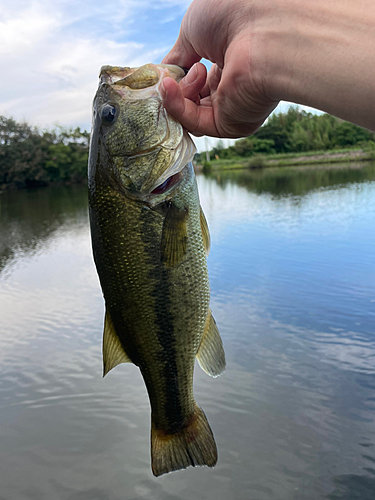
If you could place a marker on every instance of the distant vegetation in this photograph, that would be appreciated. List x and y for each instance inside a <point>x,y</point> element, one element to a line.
<point>296,131</point>
<point>30,157</point>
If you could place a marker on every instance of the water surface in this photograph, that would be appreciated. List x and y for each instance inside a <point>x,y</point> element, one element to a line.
<point>292,273</point>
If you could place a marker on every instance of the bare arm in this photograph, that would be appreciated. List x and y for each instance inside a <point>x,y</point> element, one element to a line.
<point>320,53</point>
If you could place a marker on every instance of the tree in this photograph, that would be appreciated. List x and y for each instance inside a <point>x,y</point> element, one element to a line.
<point>298,130</point>
<point>29,157</point>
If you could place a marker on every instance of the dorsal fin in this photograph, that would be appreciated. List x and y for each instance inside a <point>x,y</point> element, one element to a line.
<point>113,352</point>
<point>211,355</point>
<point>205,232</point>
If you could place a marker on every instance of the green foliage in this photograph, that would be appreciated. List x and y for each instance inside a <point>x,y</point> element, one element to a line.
<point>207,167</point>
<point>29,157</point>
<point>257,161</point>
<point>370,148</point>
<point>348,134</point>
<point>298,131</point>
<point>252,145</point>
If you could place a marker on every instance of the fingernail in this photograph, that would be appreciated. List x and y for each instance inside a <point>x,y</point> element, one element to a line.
<point>192,75</point>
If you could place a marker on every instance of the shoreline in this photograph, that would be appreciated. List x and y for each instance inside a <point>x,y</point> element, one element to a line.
<point>290,159</point>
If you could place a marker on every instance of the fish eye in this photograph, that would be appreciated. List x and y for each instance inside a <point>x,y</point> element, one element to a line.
<point>108,113</point>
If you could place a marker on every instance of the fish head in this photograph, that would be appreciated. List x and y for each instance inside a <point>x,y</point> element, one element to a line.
<point>142,149</point>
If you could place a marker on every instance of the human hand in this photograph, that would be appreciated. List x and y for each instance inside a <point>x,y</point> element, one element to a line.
<point>317,54</point>
<point>231,100</point>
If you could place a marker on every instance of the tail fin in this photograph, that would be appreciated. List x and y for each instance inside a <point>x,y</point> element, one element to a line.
<point>194,445</point>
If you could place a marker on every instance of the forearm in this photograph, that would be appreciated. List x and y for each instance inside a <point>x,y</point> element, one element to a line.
<point>320,54</point>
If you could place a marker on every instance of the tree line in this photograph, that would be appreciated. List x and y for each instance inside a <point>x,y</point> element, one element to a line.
<point>30,157</point>
<point>298,131</point>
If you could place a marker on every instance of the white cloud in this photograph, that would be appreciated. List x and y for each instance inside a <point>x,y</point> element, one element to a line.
<point>52,68</point>
<point>51,53</point>
<point>19,34</point>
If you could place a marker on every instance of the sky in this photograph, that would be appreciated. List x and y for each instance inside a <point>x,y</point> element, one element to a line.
<point>51,52</point>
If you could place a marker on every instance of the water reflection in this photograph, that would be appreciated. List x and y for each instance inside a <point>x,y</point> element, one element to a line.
<point>354,487</point>
<point>29,218</point>
<point>296,181</point>
<point>293,292</point>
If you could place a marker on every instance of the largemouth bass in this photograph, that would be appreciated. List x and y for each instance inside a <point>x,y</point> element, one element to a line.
<point>150,240</point>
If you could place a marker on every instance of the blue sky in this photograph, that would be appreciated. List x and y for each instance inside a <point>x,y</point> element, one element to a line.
<point>51,52</point>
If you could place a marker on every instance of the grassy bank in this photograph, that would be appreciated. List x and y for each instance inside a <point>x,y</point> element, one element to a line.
<point>291,159</point>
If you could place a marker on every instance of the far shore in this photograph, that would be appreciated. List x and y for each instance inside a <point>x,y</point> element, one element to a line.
<point>289,159</point>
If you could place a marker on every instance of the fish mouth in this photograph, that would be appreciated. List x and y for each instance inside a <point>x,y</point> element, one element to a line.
<point>136,84</point>
<point>139,78</point>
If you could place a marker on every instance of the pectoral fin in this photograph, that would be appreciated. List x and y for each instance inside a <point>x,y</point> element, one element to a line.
<point>210,355</point>
<point>205,232</point>
<point>174,236</point>
<point>113,352</point>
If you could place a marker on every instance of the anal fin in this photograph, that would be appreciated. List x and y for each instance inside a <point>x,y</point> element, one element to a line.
<point>113,351</point>
<point>211,355</point>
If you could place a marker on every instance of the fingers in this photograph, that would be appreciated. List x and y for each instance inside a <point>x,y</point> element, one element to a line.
<point>193,82</point>
<point>188,88</point>
<point>212,81</point>
<point>195,118</point>
<point>173,99</point>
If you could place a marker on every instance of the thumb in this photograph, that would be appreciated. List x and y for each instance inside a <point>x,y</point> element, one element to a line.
<point>182,53</point>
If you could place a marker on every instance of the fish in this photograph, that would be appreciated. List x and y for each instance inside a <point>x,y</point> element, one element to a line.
<point>150,242</point>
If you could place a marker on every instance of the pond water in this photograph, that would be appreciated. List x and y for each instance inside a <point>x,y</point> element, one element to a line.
<point>292,270</point>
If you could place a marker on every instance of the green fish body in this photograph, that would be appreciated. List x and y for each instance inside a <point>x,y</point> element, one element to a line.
<point>150,240</point>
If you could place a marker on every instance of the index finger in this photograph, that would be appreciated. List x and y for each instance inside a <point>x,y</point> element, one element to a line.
<point>197,119</point>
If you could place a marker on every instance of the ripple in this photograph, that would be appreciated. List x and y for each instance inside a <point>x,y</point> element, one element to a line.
<point>292,280</point>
